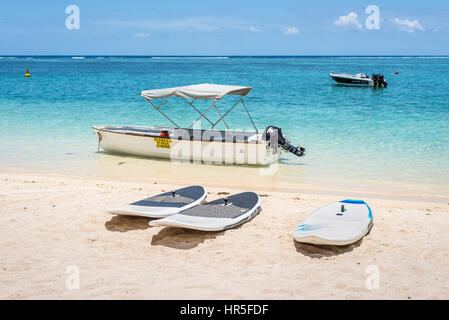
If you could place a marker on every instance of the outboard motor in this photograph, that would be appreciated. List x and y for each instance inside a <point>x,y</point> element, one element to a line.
<point>274,134</point>
<point>382,80</point>
<point>375,78</point>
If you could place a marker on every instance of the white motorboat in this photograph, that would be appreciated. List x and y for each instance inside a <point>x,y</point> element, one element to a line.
<point>192,144</point>
<point>359,79</point>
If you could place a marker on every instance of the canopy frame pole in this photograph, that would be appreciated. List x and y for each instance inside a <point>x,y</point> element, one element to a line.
<point>221,118</point>
<point>161,103</point>
<point>202,115</point>
<point>157,108</point>
<point>191,104</point>
<point>250,118</point>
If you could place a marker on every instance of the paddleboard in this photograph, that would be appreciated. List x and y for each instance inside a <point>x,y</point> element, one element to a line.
<point>339,223</point>
<point>164,204</point>
<point>216,215</point>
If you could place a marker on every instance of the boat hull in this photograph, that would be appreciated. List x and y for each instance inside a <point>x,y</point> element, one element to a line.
<point>352,81</point>
<point>144,141</point>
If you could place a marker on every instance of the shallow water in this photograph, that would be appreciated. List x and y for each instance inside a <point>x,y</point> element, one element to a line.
<point>397,134</point>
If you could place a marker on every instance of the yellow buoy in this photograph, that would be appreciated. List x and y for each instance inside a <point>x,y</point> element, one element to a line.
<point>27,74</point>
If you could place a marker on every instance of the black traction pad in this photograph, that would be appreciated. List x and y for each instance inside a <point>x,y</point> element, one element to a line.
<point>180,198</point>
<point>235,206</point>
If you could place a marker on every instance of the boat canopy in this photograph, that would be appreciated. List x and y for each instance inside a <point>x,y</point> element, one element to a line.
<point>206,91</point>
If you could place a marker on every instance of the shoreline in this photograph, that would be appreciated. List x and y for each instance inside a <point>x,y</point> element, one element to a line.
<point>165,172</point>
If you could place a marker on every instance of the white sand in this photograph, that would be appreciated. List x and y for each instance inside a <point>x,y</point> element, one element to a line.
<point>48,223</point>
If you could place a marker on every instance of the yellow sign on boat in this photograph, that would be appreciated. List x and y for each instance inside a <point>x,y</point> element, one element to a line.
<point>162,143</point>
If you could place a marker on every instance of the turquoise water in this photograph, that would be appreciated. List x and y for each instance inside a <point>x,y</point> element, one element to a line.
<point>397,133</point>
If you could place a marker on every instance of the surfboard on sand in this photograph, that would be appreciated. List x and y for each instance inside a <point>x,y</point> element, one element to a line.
<point>339,223</point>
<point>216,215</point>
<point>164,204</point>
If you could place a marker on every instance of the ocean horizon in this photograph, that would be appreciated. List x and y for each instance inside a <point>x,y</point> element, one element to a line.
<point>223,56</point>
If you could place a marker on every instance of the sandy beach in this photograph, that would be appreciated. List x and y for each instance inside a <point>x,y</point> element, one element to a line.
<point>51,225</point>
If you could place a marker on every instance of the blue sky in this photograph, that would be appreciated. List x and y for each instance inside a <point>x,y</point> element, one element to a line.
<point>231,27</point>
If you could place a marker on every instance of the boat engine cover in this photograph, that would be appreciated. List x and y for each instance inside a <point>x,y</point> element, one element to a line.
<point>276,138</point>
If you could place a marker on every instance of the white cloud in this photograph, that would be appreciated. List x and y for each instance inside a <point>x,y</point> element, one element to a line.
<point>407,25</point>
<point>254,29</point>
<point>290,30</point>
<point>350,21</point>
<point>202,24</point>
<point>141,35</point>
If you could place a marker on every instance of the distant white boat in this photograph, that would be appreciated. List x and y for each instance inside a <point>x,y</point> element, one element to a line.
<point>211,146</point>
<point>359,79</point>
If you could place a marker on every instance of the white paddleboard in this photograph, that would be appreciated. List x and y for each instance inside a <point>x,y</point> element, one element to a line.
<point>216,215</point>
<point>339,223</point>
<point>164,204</point>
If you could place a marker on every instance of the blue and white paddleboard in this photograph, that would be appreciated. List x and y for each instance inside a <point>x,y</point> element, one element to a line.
<point>339,223</point>
<point>164,204</point>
